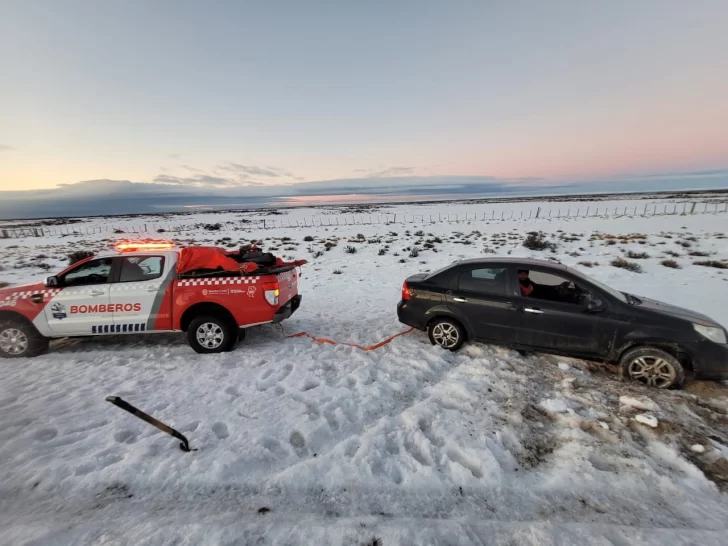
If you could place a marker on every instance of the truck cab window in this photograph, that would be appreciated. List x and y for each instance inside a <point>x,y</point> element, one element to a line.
<point>93,272</point>
<point>141,268</point>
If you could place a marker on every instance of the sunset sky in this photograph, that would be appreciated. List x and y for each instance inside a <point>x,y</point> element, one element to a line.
<point>241,94</point>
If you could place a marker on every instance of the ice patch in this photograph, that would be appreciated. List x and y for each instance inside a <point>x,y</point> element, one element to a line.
<point>647,419</point>
<point>554,405</point>
<point>564,366</point>
<point>639,402</point>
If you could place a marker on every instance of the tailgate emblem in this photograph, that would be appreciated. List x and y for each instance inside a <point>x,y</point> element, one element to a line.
<point>251,291</point>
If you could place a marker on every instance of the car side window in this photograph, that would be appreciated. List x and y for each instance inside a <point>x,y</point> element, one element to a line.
<point>141,268</point>
<point>93,272</point>
<point>490,280</point>
<point>551,287</point>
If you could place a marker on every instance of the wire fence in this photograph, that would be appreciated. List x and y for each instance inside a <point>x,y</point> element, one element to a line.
<point>323,220</point>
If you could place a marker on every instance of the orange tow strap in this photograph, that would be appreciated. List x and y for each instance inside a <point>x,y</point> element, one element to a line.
<point>331,342</point>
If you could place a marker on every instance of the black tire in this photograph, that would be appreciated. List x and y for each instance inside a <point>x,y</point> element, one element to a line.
<point>653,367</point>
<point>222,337</point>
<point>20,339</point>
<point>447,333</point>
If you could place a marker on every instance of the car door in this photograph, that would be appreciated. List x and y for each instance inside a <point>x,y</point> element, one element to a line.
<point>558,319</point>
<point>82,306</point>
<point>136,298</point>
<point>480,294</point>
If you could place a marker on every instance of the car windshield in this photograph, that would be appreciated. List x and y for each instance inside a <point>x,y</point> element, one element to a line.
<point>608,289</point>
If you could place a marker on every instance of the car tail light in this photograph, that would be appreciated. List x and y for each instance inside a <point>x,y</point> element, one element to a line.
<point>407,292</point>
<point>271,291</point>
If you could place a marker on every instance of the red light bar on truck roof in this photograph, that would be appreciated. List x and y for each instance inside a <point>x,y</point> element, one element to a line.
<point>130,246</point>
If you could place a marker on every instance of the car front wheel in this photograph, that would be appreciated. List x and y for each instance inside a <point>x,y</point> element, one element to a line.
<point>653,367</point>
<point>446,333</point>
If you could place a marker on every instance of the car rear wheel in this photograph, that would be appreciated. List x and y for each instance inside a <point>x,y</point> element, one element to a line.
<point>210,334</point>
<point>446,333</point>
<point>20,339</point>
<point>653,367</point>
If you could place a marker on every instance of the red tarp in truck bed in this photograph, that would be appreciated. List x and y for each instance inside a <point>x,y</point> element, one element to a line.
<point>205,257</point>
<point>211,257</point>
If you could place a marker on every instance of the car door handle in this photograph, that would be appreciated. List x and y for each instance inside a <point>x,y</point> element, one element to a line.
<point>532,310</point>
<point>152,288</point>
<point>460,300</point>
<point>97,293</point>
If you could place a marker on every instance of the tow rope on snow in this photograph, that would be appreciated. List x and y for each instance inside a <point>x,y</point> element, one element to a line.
<point>126,406</point>
<point>332,342</point>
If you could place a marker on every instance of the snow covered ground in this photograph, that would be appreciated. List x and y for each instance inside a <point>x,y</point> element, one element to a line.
<point>408,444</point>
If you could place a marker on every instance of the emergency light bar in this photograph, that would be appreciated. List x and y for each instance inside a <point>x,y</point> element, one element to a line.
<point>127,246</point>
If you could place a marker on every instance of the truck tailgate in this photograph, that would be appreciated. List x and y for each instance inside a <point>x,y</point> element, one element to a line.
<point>288,285</point>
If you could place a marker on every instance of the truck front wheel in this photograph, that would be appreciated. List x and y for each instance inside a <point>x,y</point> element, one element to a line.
<point>210,334</point>
<point>20,339</point>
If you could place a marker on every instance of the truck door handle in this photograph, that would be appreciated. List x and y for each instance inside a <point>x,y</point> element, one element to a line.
<point>151,288</point>
<point>460,300</point>
<point>535,311</point>
<point>97,293</point>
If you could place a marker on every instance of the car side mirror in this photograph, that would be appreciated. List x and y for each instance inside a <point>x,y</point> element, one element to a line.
<point>52,281</point>
<point>595,305</point>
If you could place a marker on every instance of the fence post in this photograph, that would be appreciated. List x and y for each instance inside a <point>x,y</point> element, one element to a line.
<point>706,207</point>
<point>538,211</point>
<point>692,209</point>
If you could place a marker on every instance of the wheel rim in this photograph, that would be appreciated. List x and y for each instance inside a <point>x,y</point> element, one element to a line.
<point>210,335</point>
<point>445,335</point>
<point>13,341</point>
<point>653,371</point>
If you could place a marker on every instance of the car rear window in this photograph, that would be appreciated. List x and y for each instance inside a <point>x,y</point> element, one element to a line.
<point>486,280</point>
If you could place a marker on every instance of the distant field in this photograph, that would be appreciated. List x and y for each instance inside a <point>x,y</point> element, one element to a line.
<point>407,433</point>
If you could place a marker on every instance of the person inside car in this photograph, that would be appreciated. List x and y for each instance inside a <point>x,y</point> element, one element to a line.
<point>561,292</point>
<point>527,287</point>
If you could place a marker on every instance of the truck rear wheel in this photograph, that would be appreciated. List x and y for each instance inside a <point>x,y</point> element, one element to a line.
<point>210,334</point>
<point>20,339</point>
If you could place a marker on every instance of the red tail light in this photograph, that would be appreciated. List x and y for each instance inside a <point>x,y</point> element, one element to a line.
<point>271,291</point>
<point>406,292</point>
